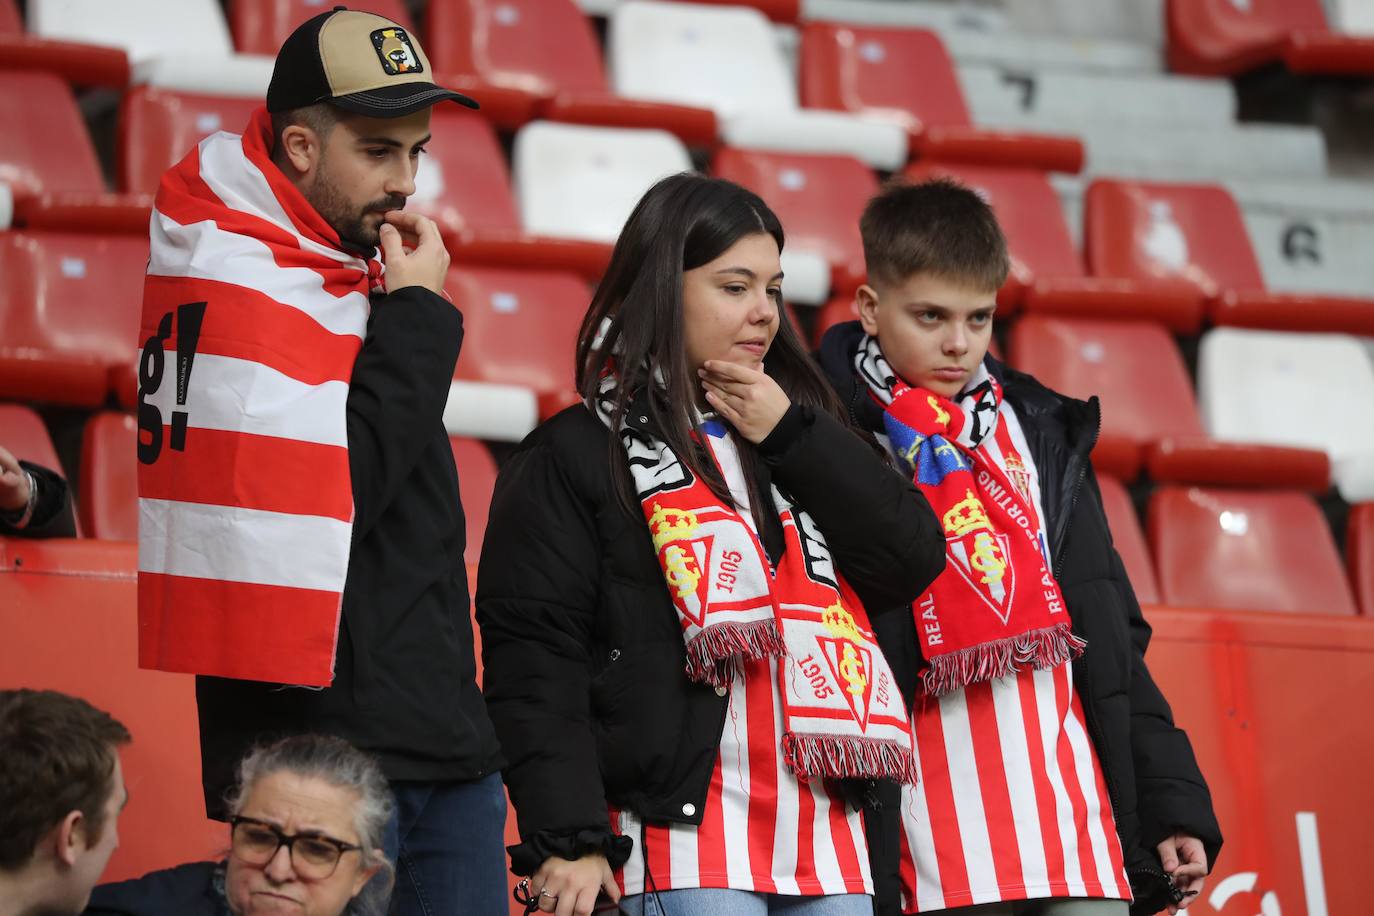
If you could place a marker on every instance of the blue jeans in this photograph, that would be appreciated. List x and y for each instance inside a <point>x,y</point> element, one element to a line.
<point>711,901</point>
<point>448,842</point>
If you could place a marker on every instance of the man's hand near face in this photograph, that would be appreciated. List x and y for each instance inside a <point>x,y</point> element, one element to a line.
<point>426,264</point>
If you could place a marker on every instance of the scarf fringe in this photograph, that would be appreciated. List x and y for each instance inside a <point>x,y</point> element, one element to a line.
<point>848,757</point>
<point>1043,649</point>
<point>714,654</point>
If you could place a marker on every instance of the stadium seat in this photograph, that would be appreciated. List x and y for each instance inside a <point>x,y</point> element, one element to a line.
<point>24,436</point>
<point>1046,272</point>
<point>1128,539</point>
<point>838,310</point>
<point>158,127</point>
<point>78,63</point>
<point>1359,554</point>
<point>906,77</point>
<point>547,49</point>
<point>143,27</point>
<point>819,200</point>
<point>109,477</point>
<point>728,59</point>
<point>260,26</point>
<point>52,151</point>
<point>1246,550</point>
<point>520,328</point>
<point>1155,420</point>
<point>1081,358</point>
<point>476,480</point>
<point>582,182</point>
<point>50,164</point>
<point>1224,38</point>
<point>1193,236</point>
<point>1305,390</point>
<point>69,306</point>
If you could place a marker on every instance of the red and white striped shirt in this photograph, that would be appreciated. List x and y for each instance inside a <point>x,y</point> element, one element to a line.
<point>1011,803</point>
<point>763,830</point>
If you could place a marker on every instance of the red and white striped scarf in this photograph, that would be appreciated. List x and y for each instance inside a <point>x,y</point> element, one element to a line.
<point>997,604</point>
<point>253,315</point>
<point>843,716</point>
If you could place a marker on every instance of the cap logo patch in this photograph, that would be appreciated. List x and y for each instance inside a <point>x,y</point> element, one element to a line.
<point>396,52</point>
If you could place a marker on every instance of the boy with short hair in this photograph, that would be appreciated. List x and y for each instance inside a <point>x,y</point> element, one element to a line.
<point>1053,779</point>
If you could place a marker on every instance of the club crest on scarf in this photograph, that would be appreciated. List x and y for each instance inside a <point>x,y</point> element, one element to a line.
<point>736,608</point>
<point>992,532</point>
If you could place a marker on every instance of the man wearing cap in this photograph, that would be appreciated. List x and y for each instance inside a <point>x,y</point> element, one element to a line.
<point>301,535</point>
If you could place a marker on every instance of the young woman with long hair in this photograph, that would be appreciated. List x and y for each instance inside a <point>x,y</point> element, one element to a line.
<point>675,590</point>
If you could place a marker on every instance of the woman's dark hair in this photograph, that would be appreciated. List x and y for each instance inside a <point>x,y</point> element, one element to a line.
<point>681,223</point>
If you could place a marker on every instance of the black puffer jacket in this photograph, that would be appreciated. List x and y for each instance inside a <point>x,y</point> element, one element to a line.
<point>583,650</point>
<point>1152,776</point>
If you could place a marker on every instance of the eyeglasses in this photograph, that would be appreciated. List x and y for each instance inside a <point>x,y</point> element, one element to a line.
<point>314,857</point>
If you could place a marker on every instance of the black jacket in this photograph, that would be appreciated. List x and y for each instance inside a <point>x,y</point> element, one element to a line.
<point>582,647</point>
<point>186,890</point>
<point>404,685</point>
<point>52,511</point>
<point>1151,774</point>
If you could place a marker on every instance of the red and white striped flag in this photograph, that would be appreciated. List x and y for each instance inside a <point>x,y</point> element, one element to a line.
<point>253,315</point>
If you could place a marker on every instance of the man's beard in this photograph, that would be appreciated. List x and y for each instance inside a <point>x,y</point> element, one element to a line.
<point>345,219</point>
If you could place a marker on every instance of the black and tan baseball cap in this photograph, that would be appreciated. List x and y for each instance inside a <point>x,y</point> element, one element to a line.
<point>361,62</point>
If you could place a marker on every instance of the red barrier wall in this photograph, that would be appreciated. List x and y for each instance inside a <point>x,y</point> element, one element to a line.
<point>1276,705</point>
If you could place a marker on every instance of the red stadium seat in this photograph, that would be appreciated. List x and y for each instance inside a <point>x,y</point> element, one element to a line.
<point>1110,359</point>
<point>46,147</point>
<point>1193,237</point>
<point>1223,38</point>
<point>1129,539</point>
<point>547,50</point>
<point>49,162</point>
<point>476,480</point>
<point>81,64</point>
<point>906,75</point>
<point>1047,274</point>
<point>158,127</point>
<point>464,183</point>
<point>260,26</point>
<point>1246,550</point>
<point>1359,554</point>
<point>838,310</point>
<point>69,306</point>
<point>23,434</point>
<point>818,198</point>
<point>109,477</point>
<point>1155,420</point>
<point>520,328</point>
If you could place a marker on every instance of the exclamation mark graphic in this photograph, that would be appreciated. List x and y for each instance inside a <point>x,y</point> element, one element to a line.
<point>189,317</point>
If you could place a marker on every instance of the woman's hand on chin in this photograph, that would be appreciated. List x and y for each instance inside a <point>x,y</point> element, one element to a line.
<point>749,399</point>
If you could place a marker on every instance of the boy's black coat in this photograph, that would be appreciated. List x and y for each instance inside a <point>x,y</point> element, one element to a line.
<point>1151,773</point>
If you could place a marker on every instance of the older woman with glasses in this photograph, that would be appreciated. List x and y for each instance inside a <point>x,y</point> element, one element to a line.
<point>308,815</point>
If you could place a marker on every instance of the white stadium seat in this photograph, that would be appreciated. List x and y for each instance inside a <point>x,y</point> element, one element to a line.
<point>729,59</point>
<point>144,28</point>
<point>186,46</point>
<point>582,182</point>
<point>1039,98</point>
<point>1303,390</point>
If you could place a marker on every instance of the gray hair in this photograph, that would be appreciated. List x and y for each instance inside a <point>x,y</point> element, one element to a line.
<point>340,764</point>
